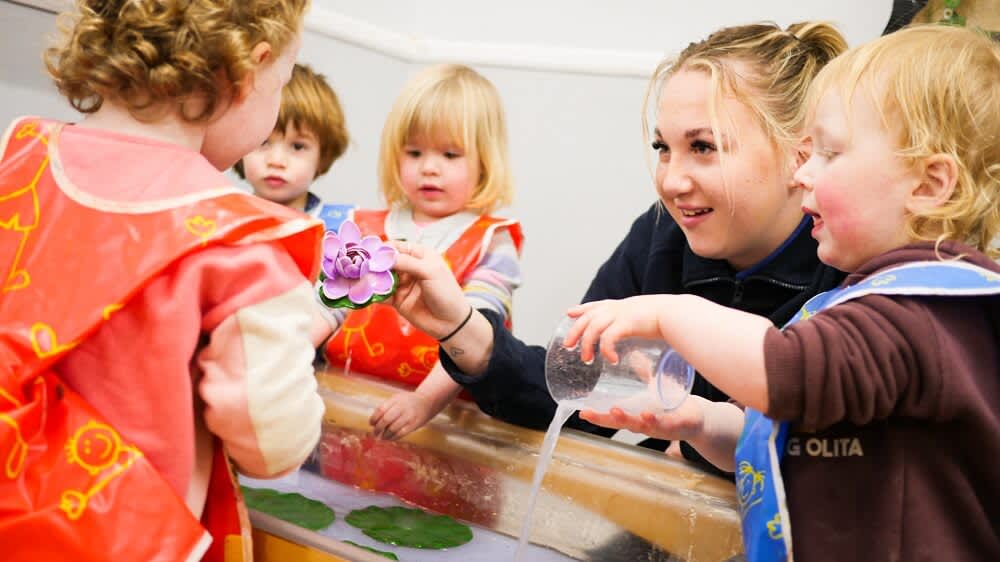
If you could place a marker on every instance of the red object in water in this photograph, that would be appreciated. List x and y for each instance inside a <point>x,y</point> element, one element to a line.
<point>430,480</point>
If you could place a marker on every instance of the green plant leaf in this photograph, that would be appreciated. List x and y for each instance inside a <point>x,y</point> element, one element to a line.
<point>388,555</point>
<point>409,527</point>
<point>294,508</point>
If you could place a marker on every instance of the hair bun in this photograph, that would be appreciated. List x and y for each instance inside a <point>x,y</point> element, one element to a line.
<point>821,36</point>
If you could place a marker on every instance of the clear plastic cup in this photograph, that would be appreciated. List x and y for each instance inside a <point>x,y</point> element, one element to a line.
<point>649,375</point>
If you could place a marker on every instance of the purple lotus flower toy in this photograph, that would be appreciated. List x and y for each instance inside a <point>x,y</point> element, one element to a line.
<point>356,271</point>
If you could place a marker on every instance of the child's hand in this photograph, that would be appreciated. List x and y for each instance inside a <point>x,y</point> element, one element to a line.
<point>608,321</point>
<point>401,414</point>
<point>685,423</point>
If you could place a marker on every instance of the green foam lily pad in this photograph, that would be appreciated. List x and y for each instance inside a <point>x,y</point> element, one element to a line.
<point>294,508</point>
<point>415,528</point>
<point>388,555</point>
<point>346,302</point>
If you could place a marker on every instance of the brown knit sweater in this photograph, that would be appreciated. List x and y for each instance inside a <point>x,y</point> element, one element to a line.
<point>895,404</point>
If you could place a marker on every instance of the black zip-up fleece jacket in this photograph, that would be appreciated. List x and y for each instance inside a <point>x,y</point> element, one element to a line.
<point>654,258</point>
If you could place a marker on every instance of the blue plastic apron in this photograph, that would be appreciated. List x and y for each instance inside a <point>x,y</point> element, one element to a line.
<point>333,215</point>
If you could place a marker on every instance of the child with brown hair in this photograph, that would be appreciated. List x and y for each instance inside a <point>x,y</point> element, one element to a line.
<point>310,135</point>
<point>872,417</point>
<point>155,318</point>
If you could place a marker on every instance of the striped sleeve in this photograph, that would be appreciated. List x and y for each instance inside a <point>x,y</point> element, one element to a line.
<point>491,284</point>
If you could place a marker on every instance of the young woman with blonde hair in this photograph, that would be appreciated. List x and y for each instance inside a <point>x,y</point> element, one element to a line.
<point>728,225</point>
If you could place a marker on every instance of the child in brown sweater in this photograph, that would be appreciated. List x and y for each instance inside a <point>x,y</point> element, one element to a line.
<point>871,417</point>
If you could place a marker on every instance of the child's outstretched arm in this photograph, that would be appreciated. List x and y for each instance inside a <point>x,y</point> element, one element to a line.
<point>406,412</point>
<point>323,325</point>
<point>725,345</point>
<point>257,380</point>
<point>327,320</point>
<point>713,428</point>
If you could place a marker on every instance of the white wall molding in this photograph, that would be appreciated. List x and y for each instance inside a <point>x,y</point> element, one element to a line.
<point>54,6</point>
<point>424,50</point>
<point>552,52</point>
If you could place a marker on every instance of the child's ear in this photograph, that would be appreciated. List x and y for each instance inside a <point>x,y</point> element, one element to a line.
<point>937,182</point>
<point>259,55</point>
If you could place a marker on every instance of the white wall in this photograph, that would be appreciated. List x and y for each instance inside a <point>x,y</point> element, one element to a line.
<point>576,149</point>
<point>638,25</point>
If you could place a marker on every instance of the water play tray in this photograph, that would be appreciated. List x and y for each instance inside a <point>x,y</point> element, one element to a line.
<point>601,500</point>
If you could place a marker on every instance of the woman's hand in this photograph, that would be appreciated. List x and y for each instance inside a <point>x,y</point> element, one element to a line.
<point>684,423</point>
<point>713,428</point>
<point>427,294</point>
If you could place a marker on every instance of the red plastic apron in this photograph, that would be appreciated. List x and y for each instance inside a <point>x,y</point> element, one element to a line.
<point>71,486</point>
<point>377,339</point>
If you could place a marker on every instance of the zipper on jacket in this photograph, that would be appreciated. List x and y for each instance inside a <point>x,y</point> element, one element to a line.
<point>737,292</point>
<point>782,284</point>
<point>709,280</point>
<point>738,285</point>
